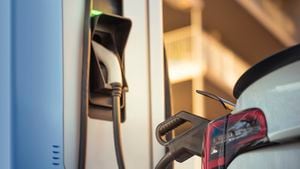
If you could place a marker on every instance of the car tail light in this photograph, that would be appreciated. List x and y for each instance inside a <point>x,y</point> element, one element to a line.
<point>229,135</point>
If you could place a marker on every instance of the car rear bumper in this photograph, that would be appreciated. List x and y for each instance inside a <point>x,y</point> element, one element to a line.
<point>285,156</point>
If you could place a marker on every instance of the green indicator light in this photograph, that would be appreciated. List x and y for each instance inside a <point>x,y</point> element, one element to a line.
<point>95,13</point>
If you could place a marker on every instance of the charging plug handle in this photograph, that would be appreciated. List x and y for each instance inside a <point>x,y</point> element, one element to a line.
<point>186,144</point>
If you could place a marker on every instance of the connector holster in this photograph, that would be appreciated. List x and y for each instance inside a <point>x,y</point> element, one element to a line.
<point>110,31</point>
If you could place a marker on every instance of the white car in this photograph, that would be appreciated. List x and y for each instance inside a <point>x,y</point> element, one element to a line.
<point>262,131</point>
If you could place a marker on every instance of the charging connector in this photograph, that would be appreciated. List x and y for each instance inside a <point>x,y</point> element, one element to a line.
<point>112,64</point>
<point>110,61</point>
<point>186,144</point>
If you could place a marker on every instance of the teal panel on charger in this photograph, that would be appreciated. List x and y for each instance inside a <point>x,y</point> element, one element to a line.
<point>5,84</point>
<point>37,84</point>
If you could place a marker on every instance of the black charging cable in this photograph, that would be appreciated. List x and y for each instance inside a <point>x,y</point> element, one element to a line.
<point>165,161</point>
<point>116,113</point>
<point>85,84</point>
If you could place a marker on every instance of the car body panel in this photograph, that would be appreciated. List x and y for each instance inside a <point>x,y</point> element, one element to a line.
<point>266,66</point>
<point>274,157</point>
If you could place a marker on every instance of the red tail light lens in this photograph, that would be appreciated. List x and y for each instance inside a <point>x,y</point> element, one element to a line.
<point>213,148</point>
<point>228,136</point>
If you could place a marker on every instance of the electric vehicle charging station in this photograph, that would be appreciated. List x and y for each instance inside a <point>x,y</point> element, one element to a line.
<point>58,95</point>
<point>41,67</point>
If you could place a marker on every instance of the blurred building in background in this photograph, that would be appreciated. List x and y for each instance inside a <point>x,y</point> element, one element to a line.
<point>210,43</point>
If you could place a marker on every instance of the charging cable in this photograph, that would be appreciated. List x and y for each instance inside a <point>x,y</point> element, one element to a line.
<point>112,64</point>
<point>165,161</point>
